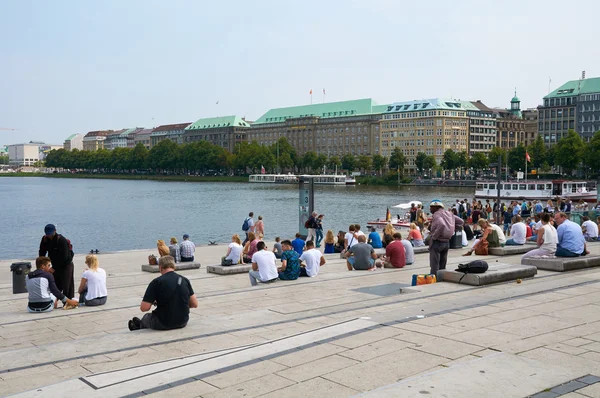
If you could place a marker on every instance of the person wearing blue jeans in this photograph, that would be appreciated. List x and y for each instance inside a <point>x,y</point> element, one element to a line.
<point>319,230</point>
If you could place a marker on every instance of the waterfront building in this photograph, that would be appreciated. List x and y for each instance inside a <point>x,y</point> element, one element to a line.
<point>94,140</point>
<point>333,128</point>
<point>29,153</point>
<point>173,132</point>
<point>510,125</point>
<point>482,127</point>
<point>429,126</point>
<point>531,125</point>
<point>74,141</point>
<point>130,137</point>
<point>112,139</point>
<point>573,106</point>
<point>225,131</point>
<point>143,137</point>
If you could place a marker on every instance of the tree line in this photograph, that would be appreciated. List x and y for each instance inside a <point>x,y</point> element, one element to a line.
<point>202,156</point>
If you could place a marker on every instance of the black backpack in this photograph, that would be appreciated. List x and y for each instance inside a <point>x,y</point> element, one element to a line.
<point>474,267</point>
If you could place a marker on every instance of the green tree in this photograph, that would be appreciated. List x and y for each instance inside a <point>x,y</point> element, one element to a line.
<point>517,158</point>
<point>462,159</point>
<point>450,160</point>
<point>569,152</point>
<point>4,159</point>
<point>537,152</point>
<point>138,157</point>
<point>379,163</point>
<point>592,153</point>
<point>479,161</point>
<point>321,162</point>
<point>348,162</point>
<point>334,163</point>
<point>365,163</point>
<point>309,161</point>
<point>397,159</point>
<point>285,152</point>
<point>420,161</point>
<point>429,162</point>
<point>495,152</point>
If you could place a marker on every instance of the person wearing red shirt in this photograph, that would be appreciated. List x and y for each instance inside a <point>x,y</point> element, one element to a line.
<point>395,256</point>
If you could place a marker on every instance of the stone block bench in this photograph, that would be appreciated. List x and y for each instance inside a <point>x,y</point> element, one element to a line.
<point>229,269</point>
<point>178,267</point>
<point>561,264</point>
<point>496,273</point>
<point>510,250</point>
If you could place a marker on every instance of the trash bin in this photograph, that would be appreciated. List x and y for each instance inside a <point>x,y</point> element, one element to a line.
<point>20,271</point>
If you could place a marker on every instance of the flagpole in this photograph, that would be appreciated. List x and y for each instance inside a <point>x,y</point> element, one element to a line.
<point>526,167</point>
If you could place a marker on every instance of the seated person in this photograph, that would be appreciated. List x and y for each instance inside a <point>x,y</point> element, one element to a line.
<point>250,247</point>
<point>290,262</point>
<point>374,239</point>
<point>409,252</point>
<point>361,256</point>
<point>468,231</point>
<point>490,235</point>
<point>518,232</point>
<point>311,260</point>
<point>42,289</point>
<point>339,246</point>
<point>263,269</point>
<point>589,229</point>
<point>163,249</point>
<point>92,289</point>
<point>571,242</point>
<point>174,250</point>
<point>395,254</point>
<point>536,224</point>
<point>546,239</point>
<point>234,252</point>
<point>414,235</point>
<point>173,296</point>
<point>277,248</point>
<point>329,243</point>
<point>297,244</point>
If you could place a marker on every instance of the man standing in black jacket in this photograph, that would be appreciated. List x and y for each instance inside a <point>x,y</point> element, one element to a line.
<point>57,248</point>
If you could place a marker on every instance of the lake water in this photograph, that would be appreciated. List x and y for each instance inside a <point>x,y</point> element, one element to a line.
<point>111,215</point>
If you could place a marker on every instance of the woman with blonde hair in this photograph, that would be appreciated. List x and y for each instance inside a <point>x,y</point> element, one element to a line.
<point>329,242</point>
<point>174,250</point>
<point>388,233</point>
<point>163,249</point>
<point>92,289</point>
<point>234,252</point>
<point>259,228</point>
<point>414,235</point>
<point>492,237</point>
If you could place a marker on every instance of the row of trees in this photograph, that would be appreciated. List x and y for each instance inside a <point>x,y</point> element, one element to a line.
<point>199,157</point>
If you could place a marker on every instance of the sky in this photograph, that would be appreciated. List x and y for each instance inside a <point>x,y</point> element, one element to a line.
<point>76,66</point>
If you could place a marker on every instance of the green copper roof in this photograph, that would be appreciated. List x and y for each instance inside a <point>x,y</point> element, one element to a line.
<point>515,99</point>
<point>69,138</point>
<point>125,133</point>
<point>576,87</point>
<point>217,122</point>
<point>426,105</point>
<point>327,110</point>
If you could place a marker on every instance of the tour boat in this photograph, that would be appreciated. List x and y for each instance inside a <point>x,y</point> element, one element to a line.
<point>536,189</point>
<point>322,179</point>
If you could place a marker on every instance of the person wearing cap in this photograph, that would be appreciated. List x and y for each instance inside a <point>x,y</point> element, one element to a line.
<point>57,247</point>
<point>187,249</point>
<point>442,229</point>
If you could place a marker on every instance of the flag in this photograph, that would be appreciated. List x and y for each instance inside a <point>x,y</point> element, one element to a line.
<point>388,216</point>
<point>323,91</point>
<point>262,170</point>
<point>527,156</point>
<point>311,91</point>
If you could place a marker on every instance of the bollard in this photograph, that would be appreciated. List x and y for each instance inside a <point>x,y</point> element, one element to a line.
<point>20,271</point>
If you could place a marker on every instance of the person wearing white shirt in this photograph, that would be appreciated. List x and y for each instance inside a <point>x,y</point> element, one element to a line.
<point>547,239</point>
<point>518,232</point>
<point>263,265</point>
<point>311,259</point>
<point>350,239</point>
<point>234,252</point>
<point>590,229</point>
<point>92,289</point>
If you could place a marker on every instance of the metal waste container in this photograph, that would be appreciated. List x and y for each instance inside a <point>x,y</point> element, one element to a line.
<point>19,272</point>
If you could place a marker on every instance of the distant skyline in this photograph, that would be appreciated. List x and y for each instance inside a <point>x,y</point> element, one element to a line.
<point>71,67</point>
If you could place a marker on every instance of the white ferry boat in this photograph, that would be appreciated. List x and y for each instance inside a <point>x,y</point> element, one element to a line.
<point>325,179</point>
<point>543,190</point>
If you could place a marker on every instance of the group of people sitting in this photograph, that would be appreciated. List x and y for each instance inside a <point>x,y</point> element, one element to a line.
<point>182,252</point>
<point>44,293</point>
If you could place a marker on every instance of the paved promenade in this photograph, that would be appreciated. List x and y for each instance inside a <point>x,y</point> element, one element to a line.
<point>337,335</point>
